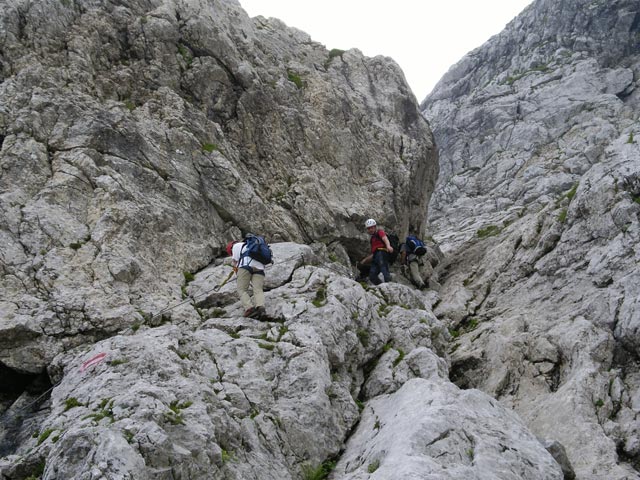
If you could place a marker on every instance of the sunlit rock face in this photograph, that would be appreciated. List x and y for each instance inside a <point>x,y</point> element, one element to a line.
<point>139,138</point>
<point>223,396</point>
<point>537,209</point>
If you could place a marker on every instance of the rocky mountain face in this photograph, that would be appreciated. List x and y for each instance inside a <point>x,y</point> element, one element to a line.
<point>137,138</point>
<point>537,209</point>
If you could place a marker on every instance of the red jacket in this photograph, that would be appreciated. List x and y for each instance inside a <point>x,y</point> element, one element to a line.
<point>376,241</point>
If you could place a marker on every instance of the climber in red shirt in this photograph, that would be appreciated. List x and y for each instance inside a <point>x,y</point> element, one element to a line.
<point>380,250</point>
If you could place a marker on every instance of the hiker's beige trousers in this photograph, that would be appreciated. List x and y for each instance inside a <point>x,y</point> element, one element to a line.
<point>414,271</point>
<point>256,281</point>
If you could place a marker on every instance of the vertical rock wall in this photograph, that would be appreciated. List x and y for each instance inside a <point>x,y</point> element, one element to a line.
<point>538,208</point>
<point>138,138</point>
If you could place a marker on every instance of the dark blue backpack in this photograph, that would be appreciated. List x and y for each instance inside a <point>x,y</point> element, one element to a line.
<point>257,248</point>
<point>415,246</point>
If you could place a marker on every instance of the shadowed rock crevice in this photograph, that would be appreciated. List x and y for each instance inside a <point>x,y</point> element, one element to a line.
<point>466,372</point>
<point>24,402</point>
<point>12,384</point>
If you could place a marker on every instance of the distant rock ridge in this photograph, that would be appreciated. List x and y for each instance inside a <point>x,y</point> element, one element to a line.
<point>537,208</point>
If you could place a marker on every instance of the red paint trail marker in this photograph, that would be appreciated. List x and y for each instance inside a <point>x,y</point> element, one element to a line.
<point>93,361</point>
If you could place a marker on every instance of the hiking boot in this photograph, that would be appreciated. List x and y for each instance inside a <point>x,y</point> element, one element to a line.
<point>258,313</point>
<point>249,312</point>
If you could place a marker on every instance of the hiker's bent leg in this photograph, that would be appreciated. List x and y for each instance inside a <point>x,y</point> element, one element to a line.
<point>430,276</point>
<point>414,270</point>
<point>375,270</point>
<point>257,282</point>
<point>384,266</point>
<point>244,278</point>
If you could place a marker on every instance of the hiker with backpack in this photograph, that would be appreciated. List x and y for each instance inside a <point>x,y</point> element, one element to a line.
<point>411,253</point>
<point>249,258</point>
<point>380,250</point>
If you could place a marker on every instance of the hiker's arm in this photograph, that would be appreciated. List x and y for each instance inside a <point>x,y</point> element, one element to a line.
<point>385,239</point>
<point>366,260</point>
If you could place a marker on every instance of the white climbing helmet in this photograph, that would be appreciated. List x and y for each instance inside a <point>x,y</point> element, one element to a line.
<point>370,223</point>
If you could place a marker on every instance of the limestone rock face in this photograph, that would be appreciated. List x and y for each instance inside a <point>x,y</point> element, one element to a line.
<point>235,398</point>
<point>537,208</point>
<point>138,138</point>
<point>432,429</point>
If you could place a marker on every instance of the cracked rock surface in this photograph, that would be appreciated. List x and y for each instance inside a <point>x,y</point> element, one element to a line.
<point>138,138</point>
<point>237,398</point>
<point>537,208</point>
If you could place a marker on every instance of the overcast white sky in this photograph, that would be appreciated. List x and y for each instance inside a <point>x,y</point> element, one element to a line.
<point>425,37</point>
